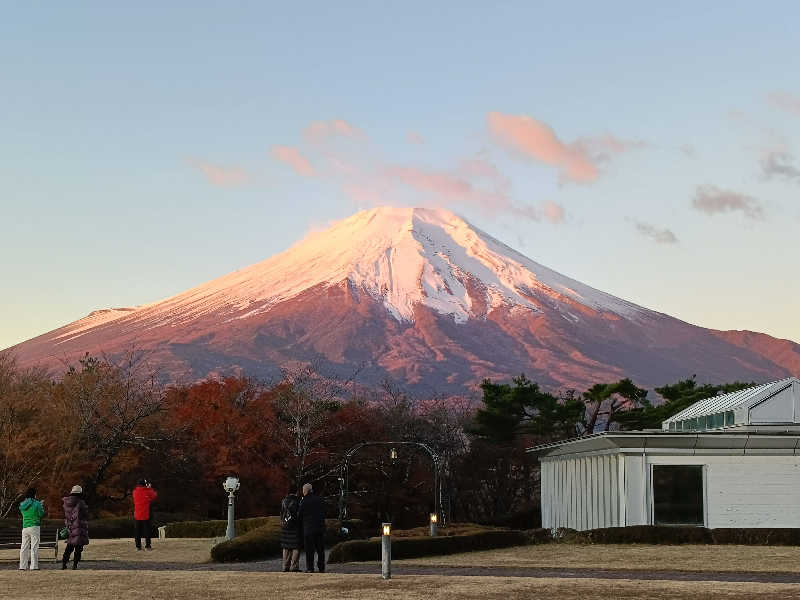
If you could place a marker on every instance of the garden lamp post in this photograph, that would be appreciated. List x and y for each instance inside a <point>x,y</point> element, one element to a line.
<point>434,524</point>
<point>386,551</point>
<point>230,485</point>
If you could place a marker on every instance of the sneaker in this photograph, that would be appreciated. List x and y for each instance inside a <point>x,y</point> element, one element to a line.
<point>138,549</point>
<point>148,548</point>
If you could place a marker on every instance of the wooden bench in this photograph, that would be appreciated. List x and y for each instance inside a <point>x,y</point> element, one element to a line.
<point>11,537</point>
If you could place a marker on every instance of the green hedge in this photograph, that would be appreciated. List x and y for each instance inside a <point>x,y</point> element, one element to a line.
<point>216,528</point>
<point>646,534</point>
<point>539,536</point>
<point>757,536</point>
<point>413,547</point>
<point>264,542</point>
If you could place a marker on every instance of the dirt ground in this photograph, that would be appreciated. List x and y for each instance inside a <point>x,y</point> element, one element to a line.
<point>629,557</point>
<point>140,585</point>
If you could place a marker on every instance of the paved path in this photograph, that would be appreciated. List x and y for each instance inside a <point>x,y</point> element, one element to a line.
<point>399,569</point>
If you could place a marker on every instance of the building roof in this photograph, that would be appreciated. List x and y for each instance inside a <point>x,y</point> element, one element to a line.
<point>741,440</point>
<point>746,398</point>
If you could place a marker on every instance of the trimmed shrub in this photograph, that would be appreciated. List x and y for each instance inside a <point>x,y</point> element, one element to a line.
<point>216,528</point>
<point>117,527</point>
<point>756,537</point>
<point>646,534</point>
<point>260,543</point>
<point>264,542</point>
<point>413,547</point>
<point>448,530</point>
<point>539,536</point>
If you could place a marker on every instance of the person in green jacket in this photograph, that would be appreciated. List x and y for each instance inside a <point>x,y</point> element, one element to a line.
<point>32,512</point>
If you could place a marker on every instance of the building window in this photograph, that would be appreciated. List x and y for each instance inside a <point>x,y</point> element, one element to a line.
<point>678,495</point>
<point>729,418</point>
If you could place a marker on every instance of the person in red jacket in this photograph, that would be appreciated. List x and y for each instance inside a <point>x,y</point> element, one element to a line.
<point>143,495</point>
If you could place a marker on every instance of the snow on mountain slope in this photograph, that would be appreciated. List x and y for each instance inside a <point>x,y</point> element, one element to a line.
<point>420,296</point>
<point>401,256</point>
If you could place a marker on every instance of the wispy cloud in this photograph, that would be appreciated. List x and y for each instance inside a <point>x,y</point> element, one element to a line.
<point>780,164</point>
<point>659,236</point>
<point>292,157</point>
<point>448,188</point>
<point>321,130</point>
<point>415,138</point>
<point>219,175</point>
<point>553,212</point>
<point>577,161</point>
<point>537,140</point>
<point>786,101</point>
<point>713,200</point>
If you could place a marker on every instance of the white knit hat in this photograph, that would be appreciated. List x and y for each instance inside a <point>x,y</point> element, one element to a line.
<point>76,489</point>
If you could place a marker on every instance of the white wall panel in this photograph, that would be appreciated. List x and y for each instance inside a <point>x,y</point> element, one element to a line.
<point>581,492</point>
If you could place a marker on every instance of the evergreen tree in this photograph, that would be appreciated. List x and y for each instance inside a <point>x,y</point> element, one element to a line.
<point>677,397</point>
<point>521,408</point>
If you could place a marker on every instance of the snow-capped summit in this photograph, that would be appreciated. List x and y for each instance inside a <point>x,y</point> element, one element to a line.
<point>400,256</point>
<point>422,296</point>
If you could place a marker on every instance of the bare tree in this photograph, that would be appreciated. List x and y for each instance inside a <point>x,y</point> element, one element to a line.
<point>112,408</point>
<point>23,455</point>
<point>303,403</point>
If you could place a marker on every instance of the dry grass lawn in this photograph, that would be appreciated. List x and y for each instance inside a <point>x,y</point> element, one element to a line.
<point>628,556</point>
<point>138,585</point>
<point>175,550</point>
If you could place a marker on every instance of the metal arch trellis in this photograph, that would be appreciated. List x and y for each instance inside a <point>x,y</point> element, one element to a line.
<point>345,470</point>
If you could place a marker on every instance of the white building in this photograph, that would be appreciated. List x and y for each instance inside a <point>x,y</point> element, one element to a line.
<point>727,461</point>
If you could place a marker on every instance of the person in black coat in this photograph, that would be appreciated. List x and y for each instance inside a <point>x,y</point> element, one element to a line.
<point>312,521</point>
<point>290,532</point>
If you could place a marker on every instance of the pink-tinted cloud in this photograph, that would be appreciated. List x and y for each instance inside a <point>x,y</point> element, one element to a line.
<point>415,138</point>
<point>292,157</point>
<point>553,212</point>
<point>321,130</point>
<point>577,161</point>
<point>713,200</point>
<point>459,189</point>
<point>604,146</point>
<point>786,101</point>
<point>444,186</point>
<point>537,140</point>
<point>219,175</point>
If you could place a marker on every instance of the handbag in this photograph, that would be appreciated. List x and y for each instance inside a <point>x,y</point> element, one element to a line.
<point>63,533</point>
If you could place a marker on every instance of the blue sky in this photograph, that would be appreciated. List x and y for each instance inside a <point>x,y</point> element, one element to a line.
<point>651,151</point>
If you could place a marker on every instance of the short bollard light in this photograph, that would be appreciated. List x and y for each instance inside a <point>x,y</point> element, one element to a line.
<point>230,485</point>
<point>393,454</point>
<point>434,524</point>
<point>386,551</point>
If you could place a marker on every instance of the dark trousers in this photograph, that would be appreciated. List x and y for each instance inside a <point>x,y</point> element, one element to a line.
<point>142,531</point>
<point>315,542</point>
<point>68,551</point>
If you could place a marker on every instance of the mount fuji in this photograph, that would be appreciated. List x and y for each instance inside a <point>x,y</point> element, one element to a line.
<point>419,296</point>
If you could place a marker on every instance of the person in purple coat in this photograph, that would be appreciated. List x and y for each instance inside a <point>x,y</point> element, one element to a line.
<point>76,518</point>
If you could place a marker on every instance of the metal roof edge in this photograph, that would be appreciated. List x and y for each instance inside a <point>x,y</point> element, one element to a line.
<point>778,430</point>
